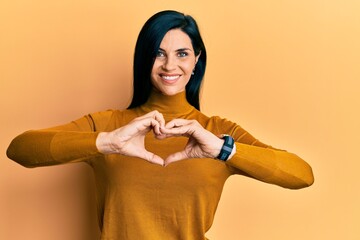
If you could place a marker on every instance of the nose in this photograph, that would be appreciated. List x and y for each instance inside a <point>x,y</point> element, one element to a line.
<point>169,63</point>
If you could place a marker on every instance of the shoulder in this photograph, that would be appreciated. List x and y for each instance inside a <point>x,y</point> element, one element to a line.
<point>102,116</point>
<point>111,119</point>
<point>198,116</point>
<point>219,125</point>
<point>224,126</point>
<point>215,124</point>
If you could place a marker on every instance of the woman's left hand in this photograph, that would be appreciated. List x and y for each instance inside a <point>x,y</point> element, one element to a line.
<point>201,144</point>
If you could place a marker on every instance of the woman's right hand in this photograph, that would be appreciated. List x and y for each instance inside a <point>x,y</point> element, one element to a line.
<point>129,139</point>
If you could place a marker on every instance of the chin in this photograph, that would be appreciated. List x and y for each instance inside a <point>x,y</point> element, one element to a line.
<point>171,92</point>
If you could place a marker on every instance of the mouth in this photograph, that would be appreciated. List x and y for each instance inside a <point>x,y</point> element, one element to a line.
<point>170,78</point>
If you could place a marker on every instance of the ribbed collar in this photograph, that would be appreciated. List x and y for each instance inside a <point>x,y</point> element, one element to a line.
<point>175,105</point>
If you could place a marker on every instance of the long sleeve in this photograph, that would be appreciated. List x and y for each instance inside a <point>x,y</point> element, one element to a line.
<point>263,162</point>
<point>72,142</point>
<point>272,166</point>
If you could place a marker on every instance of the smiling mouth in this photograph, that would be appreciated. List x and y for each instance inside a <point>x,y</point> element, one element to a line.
<point>170,78</point>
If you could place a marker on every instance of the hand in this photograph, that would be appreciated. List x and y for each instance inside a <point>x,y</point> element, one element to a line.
<point>201,144</point>
<point>129,139</point>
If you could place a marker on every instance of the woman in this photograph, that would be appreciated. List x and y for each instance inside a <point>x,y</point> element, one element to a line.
<point>161,164</point>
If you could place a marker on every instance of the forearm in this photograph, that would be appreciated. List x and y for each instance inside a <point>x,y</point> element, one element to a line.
<point>272,166</point>
<point>51,147</point>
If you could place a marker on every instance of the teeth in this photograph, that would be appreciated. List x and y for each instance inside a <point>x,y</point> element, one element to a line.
<point>170,78</point>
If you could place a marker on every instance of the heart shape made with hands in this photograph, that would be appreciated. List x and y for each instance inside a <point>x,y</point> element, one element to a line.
<point>130,139</point>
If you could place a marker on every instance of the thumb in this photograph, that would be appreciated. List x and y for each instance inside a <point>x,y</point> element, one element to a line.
<point>153,158</point>
<point>176,157</point>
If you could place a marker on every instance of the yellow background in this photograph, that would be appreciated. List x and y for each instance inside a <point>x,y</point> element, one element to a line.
<point>286,71</point>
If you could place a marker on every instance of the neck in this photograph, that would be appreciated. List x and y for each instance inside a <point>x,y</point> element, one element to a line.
<point>167,105</point>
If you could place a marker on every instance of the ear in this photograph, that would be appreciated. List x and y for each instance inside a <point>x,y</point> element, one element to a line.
<point>197,57</point>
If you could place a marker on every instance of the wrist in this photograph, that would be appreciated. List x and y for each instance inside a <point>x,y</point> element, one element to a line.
<point>228,148</point>
<point>232,152</point>
<point>103,144</point>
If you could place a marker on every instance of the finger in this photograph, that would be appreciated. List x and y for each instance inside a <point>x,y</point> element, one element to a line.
<point>149,114</point>
<point>148,124</point>
<point>162,136</point>
<point>151,157</point>
<point>178,122</point>
<point>185,130</point>
<point>153,114</point>
<point>178,156</point>
<point>160,118</point>
<point>156,115</point>
<point>155,125</point>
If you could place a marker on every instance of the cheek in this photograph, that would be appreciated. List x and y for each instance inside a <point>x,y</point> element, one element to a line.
<point>153,71</point>
<point>188,67</point>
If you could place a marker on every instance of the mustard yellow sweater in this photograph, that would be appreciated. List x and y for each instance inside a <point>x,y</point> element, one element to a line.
<point>139,200</point>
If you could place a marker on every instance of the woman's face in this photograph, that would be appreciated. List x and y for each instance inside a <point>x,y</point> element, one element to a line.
<point>174,63</point>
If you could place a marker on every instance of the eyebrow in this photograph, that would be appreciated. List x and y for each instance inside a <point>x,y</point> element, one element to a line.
<point>178,50</point>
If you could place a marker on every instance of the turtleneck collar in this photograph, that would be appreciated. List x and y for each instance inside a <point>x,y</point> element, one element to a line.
<point>176,105</point>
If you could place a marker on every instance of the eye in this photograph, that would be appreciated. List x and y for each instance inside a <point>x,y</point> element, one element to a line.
<point>160,54</point>
<point>182,54</point>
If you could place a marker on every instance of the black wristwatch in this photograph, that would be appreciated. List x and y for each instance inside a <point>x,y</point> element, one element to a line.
<point>227,147</point>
